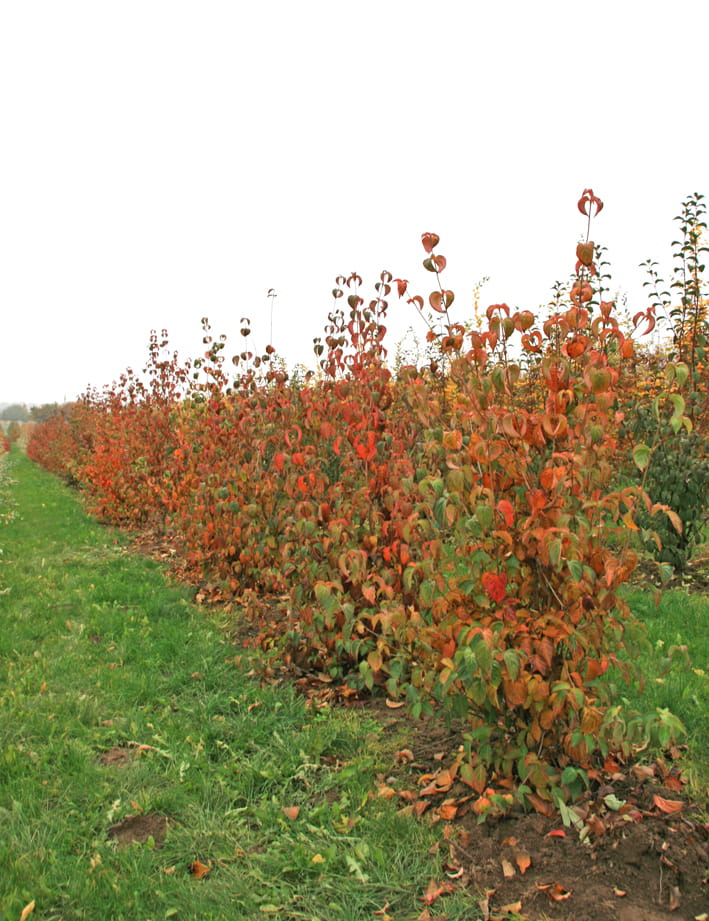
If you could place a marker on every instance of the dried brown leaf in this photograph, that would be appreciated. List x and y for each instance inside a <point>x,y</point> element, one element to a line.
<point>508,870</point>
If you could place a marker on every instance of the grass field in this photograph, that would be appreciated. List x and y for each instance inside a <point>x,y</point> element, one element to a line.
<point>97,654</point>
<point>121,706</point>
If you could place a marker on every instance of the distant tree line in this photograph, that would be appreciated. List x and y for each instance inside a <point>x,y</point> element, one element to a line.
<point>19,412</point>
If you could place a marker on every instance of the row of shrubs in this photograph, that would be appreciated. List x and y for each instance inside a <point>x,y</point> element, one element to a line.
<point>455,534</point>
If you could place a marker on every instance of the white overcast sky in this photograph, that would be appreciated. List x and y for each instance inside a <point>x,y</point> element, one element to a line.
<point>165,161</point>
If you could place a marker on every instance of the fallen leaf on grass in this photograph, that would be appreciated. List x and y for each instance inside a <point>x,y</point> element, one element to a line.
<point>674,783</point>
<point>27,911</point>
<point>291,812</point>
<point>199,870</point>
<point>394,704</point>
<point>434,891</point>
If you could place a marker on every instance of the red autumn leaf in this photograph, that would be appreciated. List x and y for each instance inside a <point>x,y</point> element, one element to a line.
<point>440,264</point>
<point>401,285</point>
<point>504,507</point>
<point>584,253</point>
<point>430,241</point>
<point>588,198</point>
<point>495,585</point>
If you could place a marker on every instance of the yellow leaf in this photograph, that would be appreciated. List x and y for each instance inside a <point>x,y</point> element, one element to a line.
<point>27,911</point>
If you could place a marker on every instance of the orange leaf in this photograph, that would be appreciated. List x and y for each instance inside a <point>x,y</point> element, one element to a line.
<point>395,704</point>
<point>27,910</point>
<point>523,861</point>
<point>291,812</point>
<point>448,810</point>
<point>668,806</point>
<point>555,891</point>
<point>435,891</point>
<point>199,870</point>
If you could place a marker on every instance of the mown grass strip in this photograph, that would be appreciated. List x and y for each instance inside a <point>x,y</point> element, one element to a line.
<point>119,699</point>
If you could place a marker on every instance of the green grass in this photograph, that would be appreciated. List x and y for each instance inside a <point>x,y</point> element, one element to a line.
<point>97,650</point>
<point>676,670</point>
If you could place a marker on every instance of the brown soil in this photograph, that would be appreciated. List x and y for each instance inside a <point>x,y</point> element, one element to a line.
<point>137,829</point>
<point>636,862</point>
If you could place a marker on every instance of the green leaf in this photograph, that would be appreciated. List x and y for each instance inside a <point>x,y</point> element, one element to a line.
<point>484,514</point>
<point>576,569</point>
<point>555,552</point>
<point>682,372</point>
<point>641,456</point>
<point>678,403</point>
<point>511,658</point>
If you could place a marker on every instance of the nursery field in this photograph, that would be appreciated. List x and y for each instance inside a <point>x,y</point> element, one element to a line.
<point>466,546</point>
<point>148,771</point>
